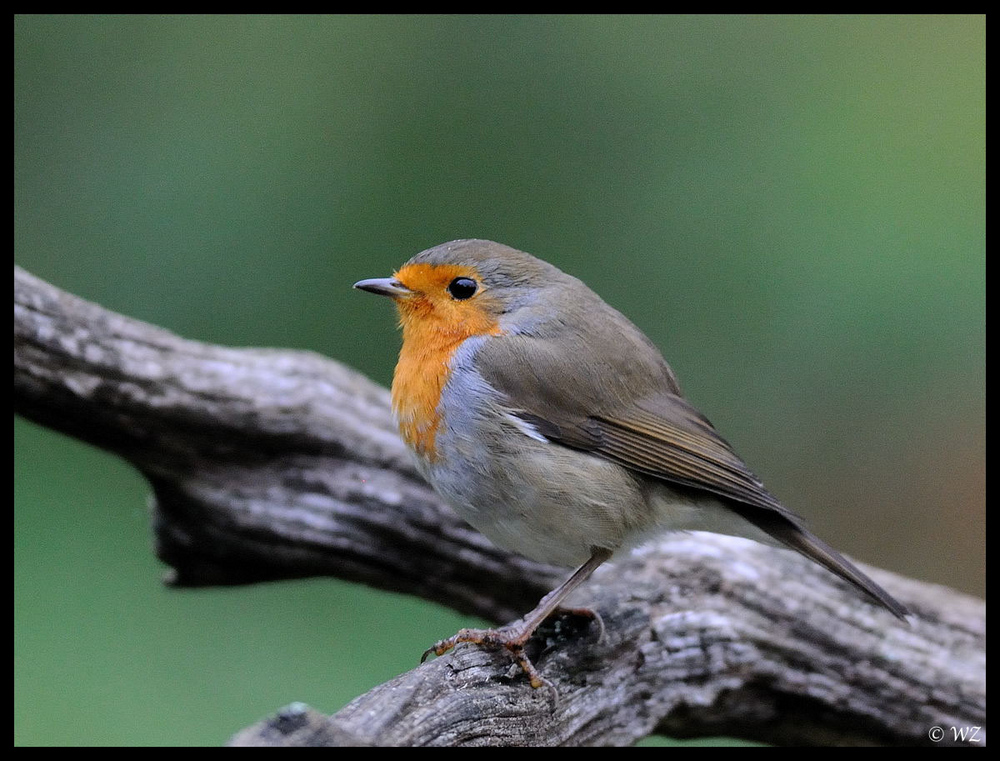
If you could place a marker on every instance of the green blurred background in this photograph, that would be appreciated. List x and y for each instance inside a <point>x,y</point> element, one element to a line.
<point>793,208</point>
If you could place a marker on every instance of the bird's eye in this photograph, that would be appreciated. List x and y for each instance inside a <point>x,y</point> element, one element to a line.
<point>462,288</point>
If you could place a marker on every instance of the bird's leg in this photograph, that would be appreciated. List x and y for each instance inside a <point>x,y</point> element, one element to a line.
<point>515,635</point>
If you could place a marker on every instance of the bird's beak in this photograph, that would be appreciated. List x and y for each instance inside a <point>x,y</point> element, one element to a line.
<point>384,286</point>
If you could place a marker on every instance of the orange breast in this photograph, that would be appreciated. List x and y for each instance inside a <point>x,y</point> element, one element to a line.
<point>420,376</point>
<point>434,326</point>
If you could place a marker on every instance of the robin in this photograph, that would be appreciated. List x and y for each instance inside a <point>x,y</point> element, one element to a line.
<point>554,426</point>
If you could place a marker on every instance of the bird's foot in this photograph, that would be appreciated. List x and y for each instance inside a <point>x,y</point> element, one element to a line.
<point>513,637</point>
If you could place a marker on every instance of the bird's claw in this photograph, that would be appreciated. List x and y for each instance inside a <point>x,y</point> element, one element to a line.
<point>512,638</point>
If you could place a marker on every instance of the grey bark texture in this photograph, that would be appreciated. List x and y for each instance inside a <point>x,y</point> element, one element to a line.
<point>270,464</point>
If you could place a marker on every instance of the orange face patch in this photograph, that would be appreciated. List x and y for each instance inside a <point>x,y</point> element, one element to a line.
<point>434,325</point>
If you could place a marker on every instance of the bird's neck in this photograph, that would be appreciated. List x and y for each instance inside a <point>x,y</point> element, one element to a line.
<point>421,374</point>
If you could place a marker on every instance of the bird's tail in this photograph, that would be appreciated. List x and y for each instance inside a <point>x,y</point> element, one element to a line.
<point>795,536</point>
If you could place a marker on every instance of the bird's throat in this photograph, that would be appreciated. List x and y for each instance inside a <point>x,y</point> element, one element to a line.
<point>421,374</point>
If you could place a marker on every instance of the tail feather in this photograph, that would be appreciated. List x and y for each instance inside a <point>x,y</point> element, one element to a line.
<point>795,536</point>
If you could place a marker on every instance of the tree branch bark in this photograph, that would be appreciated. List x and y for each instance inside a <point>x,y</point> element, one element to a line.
<point>269,464</point>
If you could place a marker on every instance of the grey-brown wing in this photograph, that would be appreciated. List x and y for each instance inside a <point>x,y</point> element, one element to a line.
<point>639,420</point>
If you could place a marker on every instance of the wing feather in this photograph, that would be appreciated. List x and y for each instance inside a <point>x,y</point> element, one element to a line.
<point>628,409</point>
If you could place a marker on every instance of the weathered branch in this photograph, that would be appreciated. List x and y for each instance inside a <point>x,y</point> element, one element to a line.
<point>270,464</point>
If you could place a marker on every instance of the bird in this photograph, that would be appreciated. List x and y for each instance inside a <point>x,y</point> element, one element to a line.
<point>554,426</point>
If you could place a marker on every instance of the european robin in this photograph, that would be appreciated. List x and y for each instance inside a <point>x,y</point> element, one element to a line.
<point>554,426</point>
